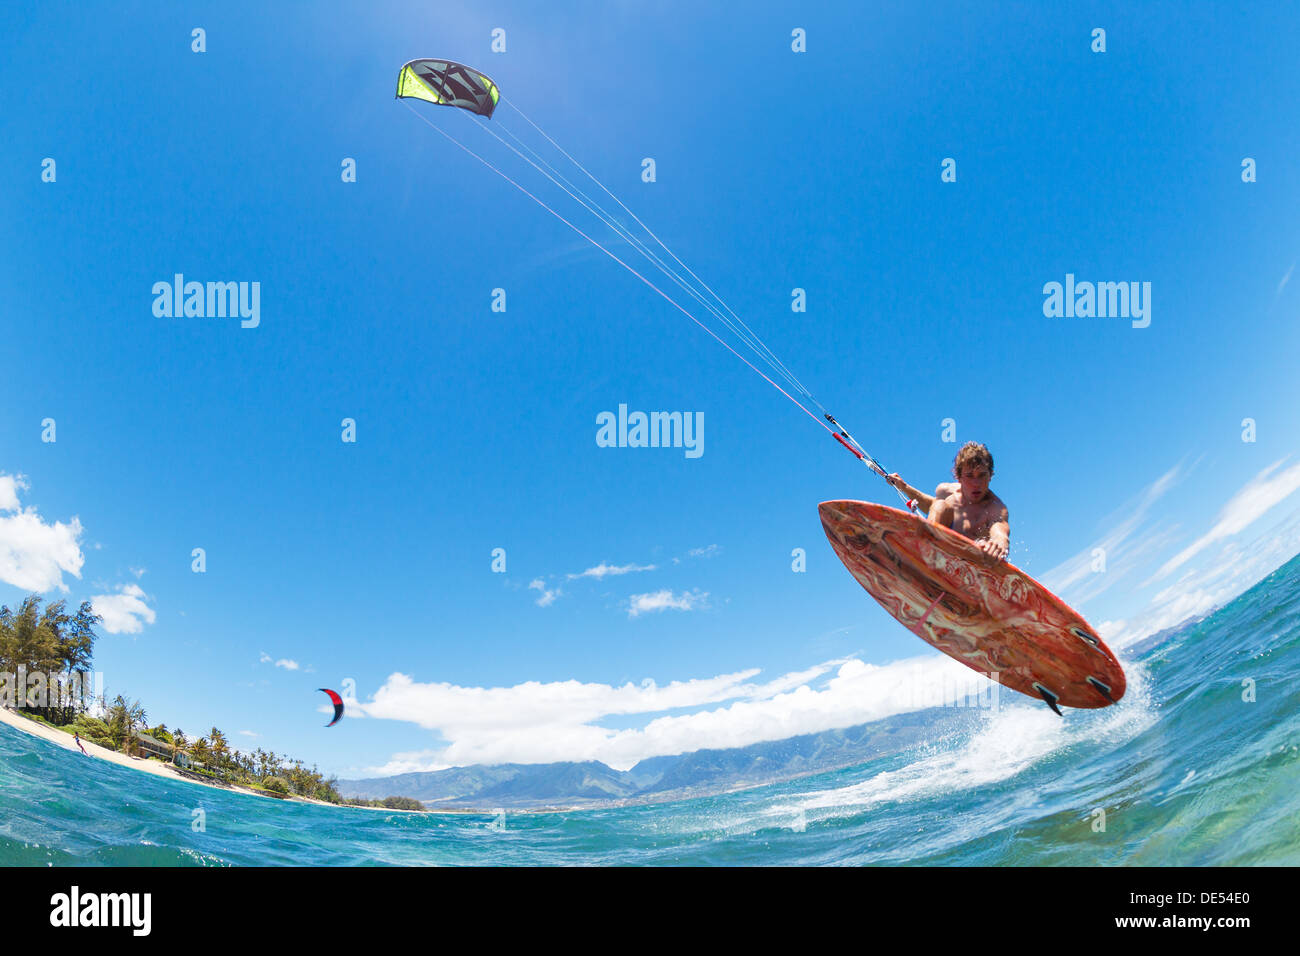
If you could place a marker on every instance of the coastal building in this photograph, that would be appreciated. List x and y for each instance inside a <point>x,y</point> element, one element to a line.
<point>153,747</point>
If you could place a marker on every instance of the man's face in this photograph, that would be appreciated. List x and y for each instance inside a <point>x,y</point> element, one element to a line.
<point>974,483</point>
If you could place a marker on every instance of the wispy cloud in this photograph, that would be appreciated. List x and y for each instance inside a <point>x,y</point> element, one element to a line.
<point>666,600</point>
<point>599,572</point>
<point>1123,547</point>
<point>1260,495</point>
<point>548,595</point>
<point>603,570</point>
<point>1231,569</point>
<point>1285,279</point>
<point>284,662</point>
<point>1132,544</point>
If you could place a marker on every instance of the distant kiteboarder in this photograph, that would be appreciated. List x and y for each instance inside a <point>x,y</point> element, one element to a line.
<point>77,737</point>
<point>338,705</point>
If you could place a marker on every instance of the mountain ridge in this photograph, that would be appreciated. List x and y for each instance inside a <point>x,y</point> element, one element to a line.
<point>590,784</point>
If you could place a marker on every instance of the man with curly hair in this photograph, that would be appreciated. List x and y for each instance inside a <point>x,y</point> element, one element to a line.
<point>967,505</point>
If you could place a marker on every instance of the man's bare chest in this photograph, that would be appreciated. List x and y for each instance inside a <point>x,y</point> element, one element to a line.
<point>973,522</point>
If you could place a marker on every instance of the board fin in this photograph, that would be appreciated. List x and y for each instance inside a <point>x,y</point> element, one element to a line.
<point>1049,697</point>
<point>1104,689</point>
<point>1083,635</point>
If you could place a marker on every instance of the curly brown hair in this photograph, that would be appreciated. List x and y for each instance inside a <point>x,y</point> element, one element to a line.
<point>972,453</point>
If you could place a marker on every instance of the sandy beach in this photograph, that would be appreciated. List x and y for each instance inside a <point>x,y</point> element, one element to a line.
<point>157,767</point>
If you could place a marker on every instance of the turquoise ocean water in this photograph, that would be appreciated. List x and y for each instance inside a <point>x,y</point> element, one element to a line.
<point>1186,771</point>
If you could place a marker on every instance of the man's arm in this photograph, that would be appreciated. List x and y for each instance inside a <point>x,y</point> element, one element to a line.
<point>923,501</point>
<point>941,511</point>
<point>998,543</point>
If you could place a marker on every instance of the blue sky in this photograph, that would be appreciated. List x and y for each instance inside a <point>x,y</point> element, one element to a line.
<point>476,429</point>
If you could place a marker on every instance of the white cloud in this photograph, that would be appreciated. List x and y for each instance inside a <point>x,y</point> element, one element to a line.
<point>409,761</point>
<point>125,612</point>
<point>34,555</point>
<point>665,600</point>
<point>541,723</point>
<point>9,485</point>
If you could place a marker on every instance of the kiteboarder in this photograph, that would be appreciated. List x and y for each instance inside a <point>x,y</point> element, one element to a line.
<point>967,505</point>
<point>77,737</point>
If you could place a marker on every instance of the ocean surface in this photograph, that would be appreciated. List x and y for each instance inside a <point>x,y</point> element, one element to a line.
<point>1184,771</point>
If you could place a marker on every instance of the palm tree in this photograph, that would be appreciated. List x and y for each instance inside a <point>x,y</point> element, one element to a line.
<point>220,750</point>
<point>179,741</point>
<point>199,751</point>
<point>135,717</point>
<point>117,722</point>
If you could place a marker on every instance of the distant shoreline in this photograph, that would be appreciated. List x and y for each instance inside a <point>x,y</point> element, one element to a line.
<point>158,768</point>
<point>64,739</point>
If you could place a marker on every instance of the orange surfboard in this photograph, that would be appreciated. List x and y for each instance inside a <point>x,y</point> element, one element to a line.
<point>987,614</point>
